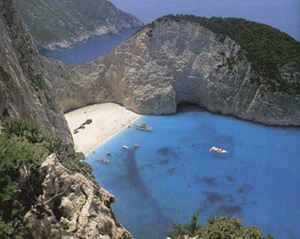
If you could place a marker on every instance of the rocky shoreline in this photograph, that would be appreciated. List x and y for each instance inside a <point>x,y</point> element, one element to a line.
<point>73,41</point>
<point>61,24</point>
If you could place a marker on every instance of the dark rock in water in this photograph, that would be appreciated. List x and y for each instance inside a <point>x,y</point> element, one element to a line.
<point>213,197</point>
<point>245,188</point>
<point>230,210</point>
<point>210,181</point>
<point>167,152</point>
<point>230,178</point>
<point>188,60</point>
<point>171,171</point>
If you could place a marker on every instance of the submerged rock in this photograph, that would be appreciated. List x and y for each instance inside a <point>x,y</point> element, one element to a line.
<point>83,211</point>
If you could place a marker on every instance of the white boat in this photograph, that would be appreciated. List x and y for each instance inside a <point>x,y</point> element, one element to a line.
<point>102,160</point>
<point>218,150</point>
<point>125,147</point>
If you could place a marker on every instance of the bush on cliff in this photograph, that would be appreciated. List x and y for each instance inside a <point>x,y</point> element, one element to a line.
<point>267,48</point>
<point>24,145</point>
<point>217,228</point>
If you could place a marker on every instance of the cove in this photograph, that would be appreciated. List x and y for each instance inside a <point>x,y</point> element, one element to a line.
<point>172,174</point>
<point>89,50</point>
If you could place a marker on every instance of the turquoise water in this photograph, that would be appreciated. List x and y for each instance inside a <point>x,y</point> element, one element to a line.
<point>172,174</point>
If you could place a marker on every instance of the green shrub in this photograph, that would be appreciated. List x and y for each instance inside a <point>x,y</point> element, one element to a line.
<point>23,143</point>
<point>217,228</point>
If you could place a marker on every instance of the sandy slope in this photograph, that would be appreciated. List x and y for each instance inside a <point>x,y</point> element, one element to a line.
<point>108,119</point>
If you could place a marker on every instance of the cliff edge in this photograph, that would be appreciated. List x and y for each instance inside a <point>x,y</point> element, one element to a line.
<point>25,91</point>
<point>81,211</point>
<point>227,66</point>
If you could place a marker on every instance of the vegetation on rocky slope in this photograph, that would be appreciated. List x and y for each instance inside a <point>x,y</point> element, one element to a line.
<point>217,228</point>
<point>24,146</point>
<point>54,21</point>
<point>266,47</point>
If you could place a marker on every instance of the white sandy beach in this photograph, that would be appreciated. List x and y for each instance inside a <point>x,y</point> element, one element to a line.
<point>108,120</point>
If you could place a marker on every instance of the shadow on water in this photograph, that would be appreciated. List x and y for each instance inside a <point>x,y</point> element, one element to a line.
<point>173,174</point>
<point>133,177</point>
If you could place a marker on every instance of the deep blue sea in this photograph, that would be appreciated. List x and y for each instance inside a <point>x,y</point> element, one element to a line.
<point>282,14</point>
<point>91,49</point>
<point>172,174</point>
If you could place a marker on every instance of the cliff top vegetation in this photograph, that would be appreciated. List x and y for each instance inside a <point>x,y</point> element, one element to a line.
<point>267,48</point>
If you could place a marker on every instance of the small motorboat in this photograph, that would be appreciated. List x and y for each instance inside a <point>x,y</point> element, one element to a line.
<point>125,147</point>
<point>136,146</point>
<point>102,160</point>
<point>108,154</point>
<point>143,127</point>
<point>218,150</point>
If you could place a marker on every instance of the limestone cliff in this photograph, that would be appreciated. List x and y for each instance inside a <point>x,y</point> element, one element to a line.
<point>176,60</point>
<point>81,211</point>
<point>25,91</point>
<point>58,203</point>
<point>59,24</point>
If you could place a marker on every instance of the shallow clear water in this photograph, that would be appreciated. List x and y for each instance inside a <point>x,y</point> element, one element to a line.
<point>172,175</point>
<point>91,49</point>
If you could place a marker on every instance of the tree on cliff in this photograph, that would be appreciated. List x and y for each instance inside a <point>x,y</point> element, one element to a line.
<point>217,228</point>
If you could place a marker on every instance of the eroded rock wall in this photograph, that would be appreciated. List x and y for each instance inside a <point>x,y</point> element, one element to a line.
<point>25,91</point>
<point>173,62</point>
<point>82,211</point>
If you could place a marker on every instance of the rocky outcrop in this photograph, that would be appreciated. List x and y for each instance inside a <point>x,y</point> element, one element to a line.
<point>60,24</point>
<point>61,204</point>
<point>79,86</point>
<point>170,62</point>
<point>25,91</point>
<point>81,211</point>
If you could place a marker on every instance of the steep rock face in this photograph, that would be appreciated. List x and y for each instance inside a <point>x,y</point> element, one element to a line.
<point>170,62</point>
<point>59,24</point>
<point>82,211</point>
<point>25,91</point>
<point>79,86</point>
